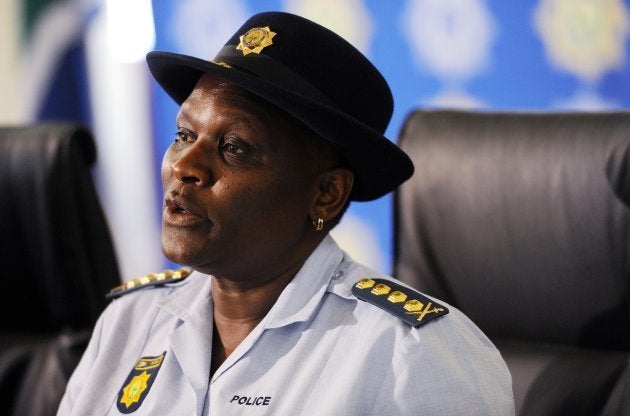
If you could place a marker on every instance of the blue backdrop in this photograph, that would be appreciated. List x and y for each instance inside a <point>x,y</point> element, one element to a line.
<point>548,54</point>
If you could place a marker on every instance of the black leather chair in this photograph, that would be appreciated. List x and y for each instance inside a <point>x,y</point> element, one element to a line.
<point>57,262</point>
<point>522,220</point>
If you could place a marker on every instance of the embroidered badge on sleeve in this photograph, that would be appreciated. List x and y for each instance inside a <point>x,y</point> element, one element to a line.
<point>138,383</point>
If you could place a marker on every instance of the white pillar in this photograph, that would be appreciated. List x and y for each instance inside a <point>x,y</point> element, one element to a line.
<point>121,111</point>
<point>10,81</point>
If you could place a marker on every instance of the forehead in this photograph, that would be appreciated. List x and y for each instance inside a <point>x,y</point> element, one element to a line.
<point>215,95</point>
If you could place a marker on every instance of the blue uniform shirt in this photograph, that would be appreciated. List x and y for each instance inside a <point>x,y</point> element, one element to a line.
<point>319,351</point>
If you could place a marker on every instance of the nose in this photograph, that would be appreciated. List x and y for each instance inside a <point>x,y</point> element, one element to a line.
<point>193,165</point>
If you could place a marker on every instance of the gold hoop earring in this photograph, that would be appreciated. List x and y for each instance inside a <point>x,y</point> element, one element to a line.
<point>319,224</point>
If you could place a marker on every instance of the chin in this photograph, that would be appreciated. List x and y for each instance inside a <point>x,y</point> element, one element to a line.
<point>175,256</point>
<point>192,257</point>
<point>175,251</point>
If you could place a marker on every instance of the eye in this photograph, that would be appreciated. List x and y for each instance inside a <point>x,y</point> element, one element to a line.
<point>231,148</point>
<point>234,147</point>
<point>184,136</point>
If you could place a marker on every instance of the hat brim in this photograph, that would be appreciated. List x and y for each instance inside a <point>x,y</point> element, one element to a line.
<point>376,161</point>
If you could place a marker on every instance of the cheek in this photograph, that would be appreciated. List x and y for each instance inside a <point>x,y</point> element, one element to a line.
<point>247,201</point>
<point>166,170</point>
<point>278,199</point>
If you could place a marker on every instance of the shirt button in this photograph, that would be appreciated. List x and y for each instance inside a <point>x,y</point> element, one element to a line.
<point>338,275</point>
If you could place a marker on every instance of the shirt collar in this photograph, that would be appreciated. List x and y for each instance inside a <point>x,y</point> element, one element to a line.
<point>323,271</point>
<point>192,298</point>
<point>301,297</point>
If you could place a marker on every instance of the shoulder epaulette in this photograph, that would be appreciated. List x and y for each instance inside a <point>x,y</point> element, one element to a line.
<point>153,279</point>
<point>410,306</point>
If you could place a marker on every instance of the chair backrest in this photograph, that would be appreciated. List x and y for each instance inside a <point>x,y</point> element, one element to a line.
<point>522,221</point>
<point>57,260</point>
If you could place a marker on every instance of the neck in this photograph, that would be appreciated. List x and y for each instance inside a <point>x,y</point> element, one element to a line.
<point>248,296</point>
<point>239,302</point>
<point>238,309</point>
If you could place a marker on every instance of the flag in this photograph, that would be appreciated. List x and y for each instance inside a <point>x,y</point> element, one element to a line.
<point>54,76</point>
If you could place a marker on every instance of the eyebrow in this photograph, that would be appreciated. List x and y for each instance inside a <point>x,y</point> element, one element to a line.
<point>235,116</point>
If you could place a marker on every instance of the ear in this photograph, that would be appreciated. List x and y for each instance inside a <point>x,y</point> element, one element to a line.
<point>334,191</point>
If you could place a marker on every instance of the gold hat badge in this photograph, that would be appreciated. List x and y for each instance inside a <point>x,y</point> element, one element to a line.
<point>255,40</point>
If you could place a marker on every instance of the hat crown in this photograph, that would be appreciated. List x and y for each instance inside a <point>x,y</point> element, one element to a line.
<point>327,62</point>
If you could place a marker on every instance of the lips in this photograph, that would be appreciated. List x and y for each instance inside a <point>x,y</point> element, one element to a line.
<point>179,212</point>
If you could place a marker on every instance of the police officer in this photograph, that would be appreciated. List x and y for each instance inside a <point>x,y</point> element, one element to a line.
<point>275,136</point>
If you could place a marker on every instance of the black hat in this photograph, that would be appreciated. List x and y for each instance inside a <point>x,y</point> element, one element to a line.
<point>312,74</point>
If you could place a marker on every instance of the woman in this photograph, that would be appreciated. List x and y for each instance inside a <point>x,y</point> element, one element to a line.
<point>274,137</point>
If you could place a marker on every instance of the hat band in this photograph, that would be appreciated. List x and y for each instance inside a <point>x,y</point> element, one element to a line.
<point>269,69</point>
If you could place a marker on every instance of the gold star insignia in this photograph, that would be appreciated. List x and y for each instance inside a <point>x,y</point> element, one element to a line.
<point>255,40</point>
<point>135,388</point>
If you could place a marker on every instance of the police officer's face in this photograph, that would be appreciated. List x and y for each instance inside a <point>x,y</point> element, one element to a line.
<point>238,186</point>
